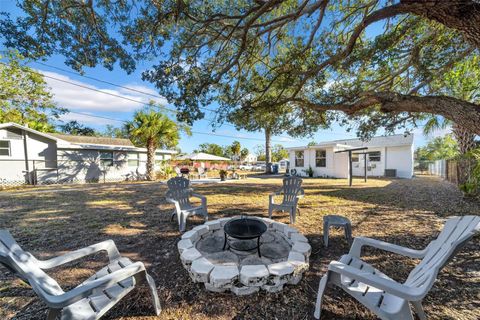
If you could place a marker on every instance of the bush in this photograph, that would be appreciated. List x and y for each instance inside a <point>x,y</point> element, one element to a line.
<point>471,187</point>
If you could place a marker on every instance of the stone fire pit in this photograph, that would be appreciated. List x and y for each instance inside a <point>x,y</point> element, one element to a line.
<point>285,256</point>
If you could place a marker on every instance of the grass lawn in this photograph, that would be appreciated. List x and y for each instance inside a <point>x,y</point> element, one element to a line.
<point>51,221</point>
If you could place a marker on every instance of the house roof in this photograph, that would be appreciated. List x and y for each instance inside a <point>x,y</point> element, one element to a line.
<point>67,141</point>
<point>18,126</point>
<point>201,156</point>
<point>382,141</point>
<point>94,140</point>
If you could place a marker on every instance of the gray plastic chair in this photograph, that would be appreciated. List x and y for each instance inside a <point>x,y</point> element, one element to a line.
<point>179,193</point>
<point>292,192</point>
<point>385,297</point>
<point>91,299</point>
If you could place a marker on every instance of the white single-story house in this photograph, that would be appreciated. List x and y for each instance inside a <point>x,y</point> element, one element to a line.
<point>30,156</point>
<point>250,159</point>
<point>386,154</point>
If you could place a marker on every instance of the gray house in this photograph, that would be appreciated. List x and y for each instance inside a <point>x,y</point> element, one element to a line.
<point>33,157</point>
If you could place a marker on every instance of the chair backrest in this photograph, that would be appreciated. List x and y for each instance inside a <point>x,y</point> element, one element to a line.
<point>179,190</point>
<point>25,265</point>
<point>291,188</point>
<point>455,234</point>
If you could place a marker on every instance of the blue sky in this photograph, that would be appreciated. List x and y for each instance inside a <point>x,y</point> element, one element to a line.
<point>87,105</point>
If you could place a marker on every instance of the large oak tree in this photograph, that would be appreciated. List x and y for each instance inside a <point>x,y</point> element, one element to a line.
<point>364,60</point>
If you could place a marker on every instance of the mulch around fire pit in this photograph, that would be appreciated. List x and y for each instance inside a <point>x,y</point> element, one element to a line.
<point>48,221</point>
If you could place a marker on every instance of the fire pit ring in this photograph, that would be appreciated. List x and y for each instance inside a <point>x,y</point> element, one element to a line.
<point>244,229</point>
<point>241,273</point>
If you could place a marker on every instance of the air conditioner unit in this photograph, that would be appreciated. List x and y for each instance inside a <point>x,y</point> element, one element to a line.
<point>391,173</point>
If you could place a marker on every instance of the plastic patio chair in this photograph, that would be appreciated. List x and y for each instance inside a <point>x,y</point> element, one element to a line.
<point>385,297</point>
<point>91,299</point>
<point>179,193</point>
<point>292,192</point>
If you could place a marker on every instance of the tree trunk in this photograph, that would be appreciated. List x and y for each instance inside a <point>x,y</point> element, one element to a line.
<point>150,159</point>
<point>461,15</point>
<point>466,143</point>
<point>465,139</point>
<point>464,113</point>
<point>268,150</point>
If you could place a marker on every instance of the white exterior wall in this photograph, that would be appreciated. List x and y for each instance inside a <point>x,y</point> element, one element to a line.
<point>42,153</point>
<point>374,168</point>
<point>86,166</point>
<point>401,159</point>
<point>336,163</point>
<point>397,157</point>
<point>340,169</point>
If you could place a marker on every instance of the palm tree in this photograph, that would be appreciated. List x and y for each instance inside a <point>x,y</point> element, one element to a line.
<point>236,148</point>
<point>152,129</point>
<point>465,139</point>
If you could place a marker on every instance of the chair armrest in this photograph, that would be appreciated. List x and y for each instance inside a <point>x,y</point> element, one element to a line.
<point>387,285</point>
<point>199,196</point>
<point>203,198</point>
<point>360,242</point>
<point>174,202</point>
<point>100,284</point>
<point>108,246</point>
<point>300,194</point>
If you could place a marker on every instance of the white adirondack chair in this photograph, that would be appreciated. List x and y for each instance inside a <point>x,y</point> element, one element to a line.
<point>385,297</point>
<point>179,193</point>
<point>292,192</point>
<point>91,299</point>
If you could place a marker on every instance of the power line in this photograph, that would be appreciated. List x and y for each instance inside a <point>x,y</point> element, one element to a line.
<point>98,80</point>
<point>196,132</point>
<point>109,83</point>
<point>127,88</point>
<point>119,96</point>
<point>130,99</point>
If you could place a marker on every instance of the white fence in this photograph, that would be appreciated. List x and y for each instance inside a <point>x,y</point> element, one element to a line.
<point>438,168</point>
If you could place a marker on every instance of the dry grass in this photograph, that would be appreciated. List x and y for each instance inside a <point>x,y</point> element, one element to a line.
<point>53,220</point>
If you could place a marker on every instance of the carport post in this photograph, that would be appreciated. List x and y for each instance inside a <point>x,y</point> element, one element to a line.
<point>365,166</point>
<point>350,170</point>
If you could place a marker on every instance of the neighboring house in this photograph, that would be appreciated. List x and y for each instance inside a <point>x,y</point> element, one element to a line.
<point>30,156</point>
<point>250,159</point>
<point>383,153</point>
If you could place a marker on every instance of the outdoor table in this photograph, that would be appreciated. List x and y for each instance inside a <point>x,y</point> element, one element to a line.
<point>336,221</point>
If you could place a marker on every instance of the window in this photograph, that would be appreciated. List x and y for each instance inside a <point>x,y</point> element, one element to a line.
<point>320,158</point>
<point>355,157</point>
<point>374,156</point>
<point>4,148</point>
<point>299,159</point>
<point>106,158</point>
<point>133,159</point>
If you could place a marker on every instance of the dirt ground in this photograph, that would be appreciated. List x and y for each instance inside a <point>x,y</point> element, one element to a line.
<point>51,221</point>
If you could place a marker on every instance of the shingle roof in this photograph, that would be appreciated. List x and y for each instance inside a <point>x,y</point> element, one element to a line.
<point>201,156</point>
<point>381,141</point>
<point>94,140</point>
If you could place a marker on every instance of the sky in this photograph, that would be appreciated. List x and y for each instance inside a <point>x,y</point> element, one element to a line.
<point>97,104</point>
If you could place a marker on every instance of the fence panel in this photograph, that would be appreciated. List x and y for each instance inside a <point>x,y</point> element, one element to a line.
<point>438,168</point>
